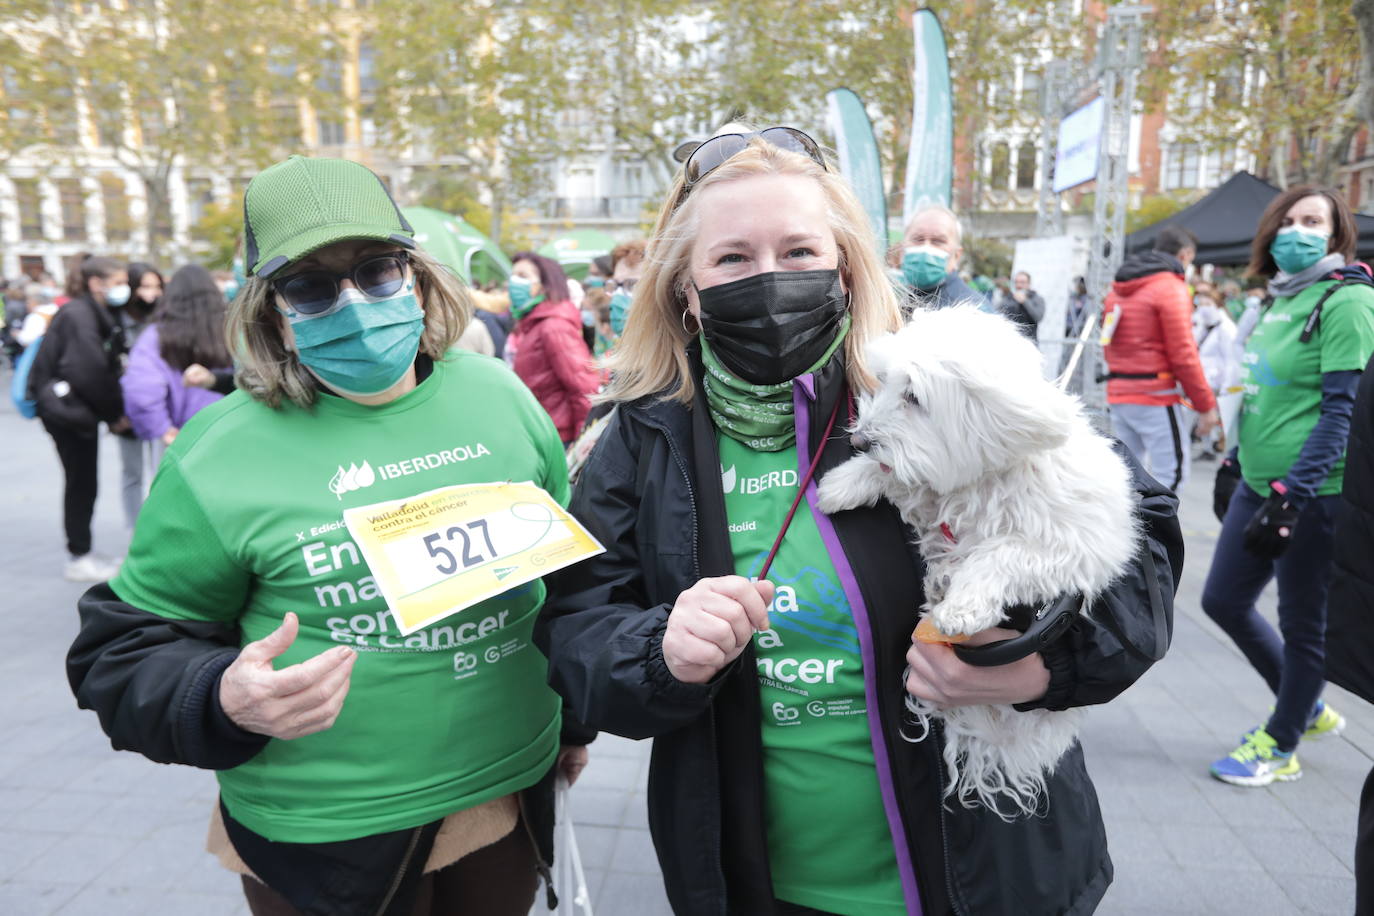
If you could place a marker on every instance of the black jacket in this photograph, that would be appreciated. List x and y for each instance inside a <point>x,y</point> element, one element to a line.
<point>1350,605</point>
<point>154,682</point>
<point>651,493</point>
<point>951,291</point>
<point>84,346</point>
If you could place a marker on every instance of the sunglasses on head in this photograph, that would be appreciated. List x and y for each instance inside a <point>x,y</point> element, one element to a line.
<point>718,149</point>
<point>312,293</point>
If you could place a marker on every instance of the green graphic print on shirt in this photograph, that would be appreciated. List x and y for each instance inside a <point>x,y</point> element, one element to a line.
<point>244,523</point>
<point>1283,378</point>
<point>829,846</point>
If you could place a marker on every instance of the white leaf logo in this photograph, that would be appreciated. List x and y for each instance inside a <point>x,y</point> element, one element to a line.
<point>355,478</point>
<point>727,479</point>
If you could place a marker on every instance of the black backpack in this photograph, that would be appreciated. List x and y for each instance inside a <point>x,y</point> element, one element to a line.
<point>1357,274</point>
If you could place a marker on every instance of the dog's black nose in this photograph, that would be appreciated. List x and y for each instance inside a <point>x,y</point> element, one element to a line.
<point>860,442</point>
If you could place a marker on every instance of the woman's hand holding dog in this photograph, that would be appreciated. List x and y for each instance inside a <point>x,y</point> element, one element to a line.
<point>711,623</point>
<point>938,676</point>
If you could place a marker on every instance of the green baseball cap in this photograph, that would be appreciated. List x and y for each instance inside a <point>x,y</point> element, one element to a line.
<point>301,205</point>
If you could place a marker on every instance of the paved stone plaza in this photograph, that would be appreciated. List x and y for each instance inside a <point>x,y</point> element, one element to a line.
<point>86,830</point>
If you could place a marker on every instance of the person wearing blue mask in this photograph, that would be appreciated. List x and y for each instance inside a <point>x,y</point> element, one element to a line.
<point>931,249</point>
<point>361,769</point>
<point>627,263</point>
<point>1277,492</point>
<point>599,271</point>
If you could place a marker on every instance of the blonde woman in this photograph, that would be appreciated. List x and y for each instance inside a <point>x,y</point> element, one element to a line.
<point>245,633</point>
<point>781,781</point>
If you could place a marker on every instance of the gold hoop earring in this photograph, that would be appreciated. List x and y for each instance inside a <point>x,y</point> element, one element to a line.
<point>685,329</point>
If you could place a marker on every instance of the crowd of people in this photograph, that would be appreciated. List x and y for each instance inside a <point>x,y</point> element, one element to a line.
<point>707,371</point>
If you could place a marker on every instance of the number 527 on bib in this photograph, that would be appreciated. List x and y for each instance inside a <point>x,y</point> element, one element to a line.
<point>440,552</point>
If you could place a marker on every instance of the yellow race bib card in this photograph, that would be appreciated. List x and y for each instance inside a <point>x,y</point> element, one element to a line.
<point>440,552</point>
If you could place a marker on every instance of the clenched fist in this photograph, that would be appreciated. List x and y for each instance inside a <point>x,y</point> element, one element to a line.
<point>297,700</point>
<point>711,623</point>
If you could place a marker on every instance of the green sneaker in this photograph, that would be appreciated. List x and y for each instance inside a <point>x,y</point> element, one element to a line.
<point>1326,722</point>
<point>1257,762</point>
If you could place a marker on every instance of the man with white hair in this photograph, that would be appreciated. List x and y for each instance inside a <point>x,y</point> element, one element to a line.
<point>931,248</point>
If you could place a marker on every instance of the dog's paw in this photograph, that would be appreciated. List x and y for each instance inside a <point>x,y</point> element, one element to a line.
<point>849,486</point>
<point>955,618</point>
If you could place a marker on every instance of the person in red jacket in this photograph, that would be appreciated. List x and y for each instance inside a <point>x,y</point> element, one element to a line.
<point>1152,359</point>
<point>546,346</point>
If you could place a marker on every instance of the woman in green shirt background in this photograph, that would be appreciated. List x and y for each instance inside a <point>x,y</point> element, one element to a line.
<point>1277,491</point>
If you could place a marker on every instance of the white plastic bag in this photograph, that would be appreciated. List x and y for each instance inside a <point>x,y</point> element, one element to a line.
<point>569,879</point>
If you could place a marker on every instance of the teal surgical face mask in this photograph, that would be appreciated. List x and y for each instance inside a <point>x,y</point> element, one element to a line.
<point>924,266</point>
<point>1295,249</point>
<point>361,346</point>
<point>620,311</point>
<point>595,282</point>
<point>522,299</point>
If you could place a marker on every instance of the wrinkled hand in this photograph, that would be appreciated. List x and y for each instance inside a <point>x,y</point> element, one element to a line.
<point>1206,422</point>
<point>197,376</point>
<point>711,623</point>
<point>939,677</point>
<point>298,700</point>
<point>572,760</point>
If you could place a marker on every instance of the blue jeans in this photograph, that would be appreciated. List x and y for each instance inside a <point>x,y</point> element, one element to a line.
<point>1293,666</point>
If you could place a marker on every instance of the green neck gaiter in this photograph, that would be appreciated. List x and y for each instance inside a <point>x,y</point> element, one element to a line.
<point>759,416</point>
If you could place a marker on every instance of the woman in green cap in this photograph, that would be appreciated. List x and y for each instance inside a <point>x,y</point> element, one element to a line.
<point>361,770</point>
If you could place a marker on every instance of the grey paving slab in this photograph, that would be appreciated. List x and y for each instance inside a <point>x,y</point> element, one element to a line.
<point>85,829</point>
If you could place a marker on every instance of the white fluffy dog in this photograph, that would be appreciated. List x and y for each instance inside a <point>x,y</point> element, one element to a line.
<point>1015,499</point>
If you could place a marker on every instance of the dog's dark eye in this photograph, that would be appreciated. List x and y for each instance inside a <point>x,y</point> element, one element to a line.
<point>911,398</point>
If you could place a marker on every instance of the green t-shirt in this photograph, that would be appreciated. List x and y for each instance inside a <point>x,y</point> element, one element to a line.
<point>829,846</point>
<point>244,523</point>
<point>1283,378</point>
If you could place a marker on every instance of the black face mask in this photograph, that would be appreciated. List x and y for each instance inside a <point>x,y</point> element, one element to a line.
<point>770,328</point>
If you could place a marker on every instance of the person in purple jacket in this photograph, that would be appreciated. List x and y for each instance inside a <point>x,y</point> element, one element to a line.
<point>187,329</point>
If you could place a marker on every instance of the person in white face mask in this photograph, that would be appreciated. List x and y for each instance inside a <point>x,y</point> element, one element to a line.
<point>1215,334</point>
<point>75,381</point>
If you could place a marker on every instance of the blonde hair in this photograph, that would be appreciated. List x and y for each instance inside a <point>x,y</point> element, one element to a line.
<point>271,373</point>
<point>651,357</point>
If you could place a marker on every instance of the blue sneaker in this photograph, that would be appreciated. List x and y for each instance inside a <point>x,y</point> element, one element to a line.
<point>1257,762</point>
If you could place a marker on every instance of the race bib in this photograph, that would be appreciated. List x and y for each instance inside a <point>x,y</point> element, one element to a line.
<point>440,552</point>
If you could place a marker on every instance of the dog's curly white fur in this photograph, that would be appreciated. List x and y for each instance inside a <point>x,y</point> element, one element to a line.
<point>964,432</point>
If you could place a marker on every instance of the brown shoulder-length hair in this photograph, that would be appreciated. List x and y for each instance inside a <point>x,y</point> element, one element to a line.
<point>271,373</point>
<point>1344,233</point>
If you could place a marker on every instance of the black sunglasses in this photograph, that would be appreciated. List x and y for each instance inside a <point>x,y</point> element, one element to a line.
<point>718,149</point>
<point>313,293</point>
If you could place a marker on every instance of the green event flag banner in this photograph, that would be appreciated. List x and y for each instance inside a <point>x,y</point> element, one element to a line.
<point>930,161</point>
<point>859,161</point>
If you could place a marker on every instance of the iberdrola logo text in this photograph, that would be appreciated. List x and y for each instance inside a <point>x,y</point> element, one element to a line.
<point>359,476</point>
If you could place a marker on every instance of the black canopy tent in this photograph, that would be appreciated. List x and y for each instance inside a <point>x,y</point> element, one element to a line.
<point>1224,222</point>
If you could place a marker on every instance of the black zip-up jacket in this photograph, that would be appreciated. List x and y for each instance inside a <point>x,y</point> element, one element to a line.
<point>154,681</point>
<point>83,346</point>
<point>1350,605</point>
<point>652,495</point>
